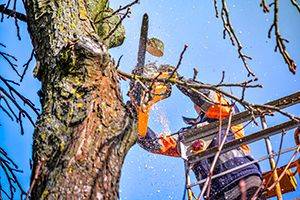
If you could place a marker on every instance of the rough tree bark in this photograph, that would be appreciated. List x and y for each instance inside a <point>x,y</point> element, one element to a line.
<point>84,131</point>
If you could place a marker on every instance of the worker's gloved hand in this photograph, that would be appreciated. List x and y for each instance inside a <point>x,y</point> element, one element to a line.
<point>144,95</point>
<point>159,90</point>
<point>147,93</point>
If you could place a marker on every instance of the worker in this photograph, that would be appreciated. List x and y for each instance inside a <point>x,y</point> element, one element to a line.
<point>210,106</point>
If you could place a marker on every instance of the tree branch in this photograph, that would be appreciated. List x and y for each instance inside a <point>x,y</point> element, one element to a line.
<point>216,8</point>
<point>26,65</point>
<point>10,59</point>
<point>296,4</point>
<point>228,28</point>
<point>253,108</point>
<point>264,6</point>
<point>11,97</point>
<point>122,8</point>
<point>12,13</point>
<point>285,169</point>
<point>216,157</point>
<point>280,41</point>
<point>118,24</point>
<point>10,169</point>
<point>179,61</point>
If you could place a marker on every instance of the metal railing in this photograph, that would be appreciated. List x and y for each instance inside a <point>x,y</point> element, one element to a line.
<point>209,131</point>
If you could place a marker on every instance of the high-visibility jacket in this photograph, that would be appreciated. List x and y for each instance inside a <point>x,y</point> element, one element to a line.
<point>213,110</point>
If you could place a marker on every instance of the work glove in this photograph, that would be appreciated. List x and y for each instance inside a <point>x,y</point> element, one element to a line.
<point>144,95</point>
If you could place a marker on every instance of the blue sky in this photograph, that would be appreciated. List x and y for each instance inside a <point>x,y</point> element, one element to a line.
<point>192,22</point>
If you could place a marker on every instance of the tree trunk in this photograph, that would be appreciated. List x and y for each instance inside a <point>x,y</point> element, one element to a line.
<point>84,131</point>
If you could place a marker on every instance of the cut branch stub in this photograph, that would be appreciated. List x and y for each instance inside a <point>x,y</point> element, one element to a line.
<point>104,28</point>
<point>107,23</point>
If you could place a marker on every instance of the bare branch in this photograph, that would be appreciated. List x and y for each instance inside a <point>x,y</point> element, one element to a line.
<point>9,107</point>
<point>228,28</point>
<point>195,74</point>
<point>264,6</point>
<point>280,42</point>
<point>119,61</point>
<point>216,9</point>
<point>296,4</point>
<point>10,169</point>
<point>26,65</point>
<point>23,98</point>
<point>122,8</point>
<point>16,20</point>
<point>222,79</point>
<point>4,9</point>
<point>6,111</point>
<point>9,104</point>
<point>118,24</point>
<point>10,98</point>
<point>285,169</point>
<point>253,108</point>
<point>245,84</point>
<point>22,112</point>
<point>12,13</point>
<point>216,157</point>
<point>10,59</point>
<point>179,61</point>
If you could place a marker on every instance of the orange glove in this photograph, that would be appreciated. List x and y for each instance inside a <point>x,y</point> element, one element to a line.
<point>158,91</point>
<point>168,143</point>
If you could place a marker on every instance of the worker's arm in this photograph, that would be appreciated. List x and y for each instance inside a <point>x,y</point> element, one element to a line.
<point>147,139</point>
<point>143,112</point>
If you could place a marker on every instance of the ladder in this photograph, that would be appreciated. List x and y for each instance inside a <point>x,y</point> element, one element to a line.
<point>208,132</point>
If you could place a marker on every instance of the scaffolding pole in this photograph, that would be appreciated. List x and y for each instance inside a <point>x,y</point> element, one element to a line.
<point>188,180</point>
<point>271,159</point>
<point>244,140</point>
<point>186,170</point>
